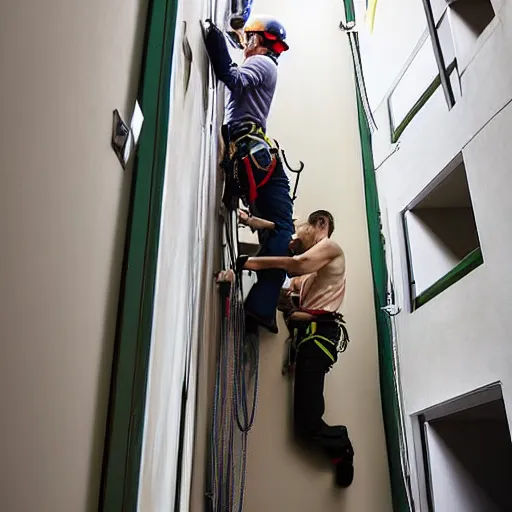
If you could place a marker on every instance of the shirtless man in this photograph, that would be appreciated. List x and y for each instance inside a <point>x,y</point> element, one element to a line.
<point>320,281</point>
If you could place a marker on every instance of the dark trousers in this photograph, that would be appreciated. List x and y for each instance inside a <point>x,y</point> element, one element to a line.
<point>312,364</point>
<point>273,204</point>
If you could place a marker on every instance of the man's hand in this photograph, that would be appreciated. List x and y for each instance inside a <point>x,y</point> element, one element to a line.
<point>207,26</point>
<point>255,223</point>
<point>225,276</point>
<point>243,217</point>
<point>217,50</point>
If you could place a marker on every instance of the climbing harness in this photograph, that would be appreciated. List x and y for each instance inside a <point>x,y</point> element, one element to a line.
<point>248,147</point>
<point>304,332</point>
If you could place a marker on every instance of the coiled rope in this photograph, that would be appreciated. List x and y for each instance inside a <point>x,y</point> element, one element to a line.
<point>236,389</point>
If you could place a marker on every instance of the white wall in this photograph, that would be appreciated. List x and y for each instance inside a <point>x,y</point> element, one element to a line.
<point>184,321</point>
<point>314,117</point>
<point>460,340</point>
<point>65,66</point>
<point>385,56</point>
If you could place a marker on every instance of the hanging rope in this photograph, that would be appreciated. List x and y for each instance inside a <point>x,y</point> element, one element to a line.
<point>353,39</point>
<point>236,388</point>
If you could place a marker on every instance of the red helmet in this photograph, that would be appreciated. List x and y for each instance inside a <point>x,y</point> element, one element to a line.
<point>270,29</point>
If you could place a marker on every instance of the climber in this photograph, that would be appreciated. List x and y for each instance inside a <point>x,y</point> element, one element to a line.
<point>319,271</point>
<point>253,167</point>
<point>238,17</point>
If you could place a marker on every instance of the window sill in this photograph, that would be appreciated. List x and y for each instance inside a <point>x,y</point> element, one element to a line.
<point>473,260</point>
<point>466,60</point>
<point>431,89</point>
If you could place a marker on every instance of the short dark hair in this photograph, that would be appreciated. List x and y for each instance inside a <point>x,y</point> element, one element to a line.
<point>316,216</point>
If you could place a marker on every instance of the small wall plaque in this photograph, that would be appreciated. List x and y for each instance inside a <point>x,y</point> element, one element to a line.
<point>124,137</point>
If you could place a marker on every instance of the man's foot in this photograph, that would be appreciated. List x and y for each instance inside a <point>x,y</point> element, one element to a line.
<point>251,325</point>
<point>270,326</point>
<point>344,467</point>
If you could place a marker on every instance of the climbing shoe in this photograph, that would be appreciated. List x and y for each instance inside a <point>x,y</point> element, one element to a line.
<point>344,467</point>
<point>270,326</point>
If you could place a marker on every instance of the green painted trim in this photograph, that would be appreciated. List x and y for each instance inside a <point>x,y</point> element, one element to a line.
<point>123,446</point>
<point>422,100</point>
<point>350,13</point>
<point>473,260</point>
<point>389,398</point>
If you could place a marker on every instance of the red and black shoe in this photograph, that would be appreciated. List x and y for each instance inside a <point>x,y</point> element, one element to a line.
<point>344,467</point>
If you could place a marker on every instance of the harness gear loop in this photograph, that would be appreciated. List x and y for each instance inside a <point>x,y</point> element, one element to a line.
<point>250,146</point>
<point>310,333</point>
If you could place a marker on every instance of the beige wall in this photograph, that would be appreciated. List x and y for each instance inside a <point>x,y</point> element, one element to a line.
<point>65,66</point>
<point>315,119</point>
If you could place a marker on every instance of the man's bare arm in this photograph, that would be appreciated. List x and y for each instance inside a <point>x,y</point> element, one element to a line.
<point>255,223</point>
<point>311,261</point>
<point>258,224</point>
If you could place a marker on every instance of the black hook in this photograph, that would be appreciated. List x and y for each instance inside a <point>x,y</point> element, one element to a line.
<point>296,171</point>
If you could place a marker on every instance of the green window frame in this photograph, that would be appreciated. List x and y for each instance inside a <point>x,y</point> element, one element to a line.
<point>396,131</point>
<point>442,79</point>
<point>473,260</point>
<point>470,262</point>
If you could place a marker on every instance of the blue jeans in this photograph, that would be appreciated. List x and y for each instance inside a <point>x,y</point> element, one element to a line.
<point>274,204</point>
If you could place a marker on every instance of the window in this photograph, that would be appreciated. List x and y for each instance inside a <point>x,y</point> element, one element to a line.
<point>468,19</point>
<point>445,56</point>
<point>455,26</point>
<point>467,453</point>
<point>441,235</point>
<point>407,96</point>
<point>419,79</point>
